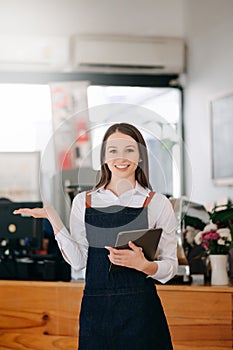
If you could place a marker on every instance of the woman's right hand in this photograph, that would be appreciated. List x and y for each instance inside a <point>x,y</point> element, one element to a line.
<point>46,212</point>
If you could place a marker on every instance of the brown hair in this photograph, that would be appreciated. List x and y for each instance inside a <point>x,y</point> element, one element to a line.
<point>142,171</point>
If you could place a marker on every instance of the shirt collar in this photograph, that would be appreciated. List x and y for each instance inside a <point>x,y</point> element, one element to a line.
<point>138,188</point>
<point>142,190</point>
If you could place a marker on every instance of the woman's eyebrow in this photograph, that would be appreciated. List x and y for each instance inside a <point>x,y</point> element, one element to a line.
<point>131,146</point>
<point>112,146</point>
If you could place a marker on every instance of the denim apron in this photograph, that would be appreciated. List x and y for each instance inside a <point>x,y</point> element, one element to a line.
<point>120,310</point>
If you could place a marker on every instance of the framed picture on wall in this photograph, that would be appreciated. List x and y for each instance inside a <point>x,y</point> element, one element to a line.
<point>221,122</point>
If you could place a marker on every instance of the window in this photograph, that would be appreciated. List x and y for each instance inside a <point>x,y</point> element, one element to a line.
<point>157,113</point>
<point>26,127</point>
<point>25,111</point>
<point>26,123</point>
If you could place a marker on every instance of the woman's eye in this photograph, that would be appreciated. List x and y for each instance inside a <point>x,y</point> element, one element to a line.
<point>129,150</point>
<point>112,151</point>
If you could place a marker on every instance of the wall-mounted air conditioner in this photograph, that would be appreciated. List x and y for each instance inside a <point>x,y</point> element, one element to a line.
<point>40,53</point>
<point>127,54</point>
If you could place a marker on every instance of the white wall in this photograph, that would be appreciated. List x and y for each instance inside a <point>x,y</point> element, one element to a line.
<point>66,17</point>
<point>209,31</point>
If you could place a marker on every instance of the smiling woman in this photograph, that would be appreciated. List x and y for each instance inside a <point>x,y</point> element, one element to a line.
<point>119,309</point>
<point>122,153</point>
<point>123,148</point>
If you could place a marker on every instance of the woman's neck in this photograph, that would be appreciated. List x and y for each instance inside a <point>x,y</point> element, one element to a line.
<point>120,186</point>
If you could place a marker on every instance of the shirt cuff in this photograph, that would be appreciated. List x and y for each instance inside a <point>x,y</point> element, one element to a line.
<point>165,271</point>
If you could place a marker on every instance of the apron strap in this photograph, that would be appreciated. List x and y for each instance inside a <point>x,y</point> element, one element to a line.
<point>88,199</point>
<point>148,199</point>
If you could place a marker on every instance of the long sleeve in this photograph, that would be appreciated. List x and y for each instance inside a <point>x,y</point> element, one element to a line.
<point>73,243</point>
<point>161,214</point>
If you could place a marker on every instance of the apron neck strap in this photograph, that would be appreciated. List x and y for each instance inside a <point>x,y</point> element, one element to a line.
<point>88,199</point>
<point>148,199</point>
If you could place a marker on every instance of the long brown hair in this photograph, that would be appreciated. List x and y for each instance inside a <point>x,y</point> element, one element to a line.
<point>142,171</point>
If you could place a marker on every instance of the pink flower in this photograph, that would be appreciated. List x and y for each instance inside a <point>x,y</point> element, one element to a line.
<point>205,245</point>
<point>215,241</point>
<point>210,235</point>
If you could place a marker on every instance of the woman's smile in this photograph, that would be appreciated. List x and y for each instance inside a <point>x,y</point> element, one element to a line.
<point>122,157</point>
<point>122,167</point>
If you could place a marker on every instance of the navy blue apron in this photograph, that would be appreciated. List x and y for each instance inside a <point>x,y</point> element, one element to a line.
<point>120,310</point>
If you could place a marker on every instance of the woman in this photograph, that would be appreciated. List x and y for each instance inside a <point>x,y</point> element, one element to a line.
<point>120,310</point>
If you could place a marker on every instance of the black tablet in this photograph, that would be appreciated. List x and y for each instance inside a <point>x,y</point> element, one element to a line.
<point>147,239</point>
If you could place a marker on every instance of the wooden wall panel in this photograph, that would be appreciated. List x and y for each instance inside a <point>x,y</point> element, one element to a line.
<point>22,341</point>
<point>199,319</point>
<point>44,315</point>
<point>40,308</point>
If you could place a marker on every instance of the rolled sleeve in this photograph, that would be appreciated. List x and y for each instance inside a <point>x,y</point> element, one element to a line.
<point>73,252</point>
<point>167,260</point>
<point>73,243</point>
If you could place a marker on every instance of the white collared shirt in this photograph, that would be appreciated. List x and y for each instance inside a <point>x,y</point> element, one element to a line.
<point>74,245</point>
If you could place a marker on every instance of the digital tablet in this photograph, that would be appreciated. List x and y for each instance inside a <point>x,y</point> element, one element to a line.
<point>147,239</point>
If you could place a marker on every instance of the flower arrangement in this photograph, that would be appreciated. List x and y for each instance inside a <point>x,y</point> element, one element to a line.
<point>222,216</point>
<point>215,240</point>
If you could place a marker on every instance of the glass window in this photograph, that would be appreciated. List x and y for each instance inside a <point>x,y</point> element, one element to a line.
<point>26,126</point>
<point>25,111</point>
<point>157,113</point>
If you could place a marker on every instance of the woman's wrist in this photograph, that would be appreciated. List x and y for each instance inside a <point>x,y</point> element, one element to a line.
<point>54,219</point>
<point>150,267</point>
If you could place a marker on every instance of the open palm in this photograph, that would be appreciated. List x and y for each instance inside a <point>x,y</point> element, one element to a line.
<point>35,212</point>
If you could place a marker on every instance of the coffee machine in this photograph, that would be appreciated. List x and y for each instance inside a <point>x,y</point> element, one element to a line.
<point>196,215</point>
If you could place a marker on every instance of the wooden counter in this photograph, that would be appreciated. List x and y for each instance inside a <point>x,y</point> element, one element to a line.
<point>44,315</point>
<point>199,317</point>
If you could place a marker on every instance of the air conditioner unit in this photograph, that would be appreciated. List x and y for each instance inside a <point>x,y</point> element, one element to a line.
<point>34,53</point>
<point>125,54</point>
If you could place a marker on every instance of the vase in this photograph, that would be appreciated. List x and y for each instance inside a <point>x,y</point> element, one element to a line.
<point>219,276</point>
<point>230,260</point>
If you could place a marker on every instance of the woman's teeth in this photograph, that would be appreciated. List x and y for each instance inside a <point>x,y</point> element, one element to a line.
<point>121,166</point>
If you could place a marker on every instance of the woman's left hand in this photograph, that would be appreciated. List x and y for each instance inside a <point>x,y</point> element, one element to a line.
<point>133,258</point>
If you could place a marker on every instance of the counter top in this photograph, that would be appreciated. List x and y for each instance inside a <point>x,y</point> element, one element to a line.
<point>80,284</point>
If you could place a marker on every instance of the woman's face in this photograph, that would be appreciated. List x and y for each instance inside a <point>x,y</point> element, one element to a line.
<point>121,155</point>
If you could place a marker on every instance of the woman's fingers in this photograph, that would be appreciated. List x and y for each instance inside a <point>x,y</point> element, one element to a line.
<point>35,212</point>
<point>134,247</point>
<point>116,256</point>
<point>126,257</point>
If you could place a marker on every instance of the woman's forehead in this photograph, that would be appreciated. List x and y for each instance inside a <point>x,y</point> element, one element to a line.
<point>119,138</point>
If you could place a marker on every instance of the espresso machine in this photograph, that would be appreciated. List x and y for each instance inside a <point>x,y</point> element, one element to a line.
<point>196,213</point>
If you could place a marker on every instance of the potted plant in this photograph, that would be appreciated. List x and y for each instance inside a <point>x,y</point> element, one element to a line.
<point>217,242</point>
